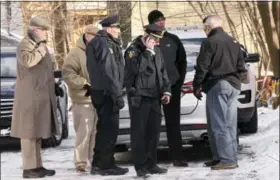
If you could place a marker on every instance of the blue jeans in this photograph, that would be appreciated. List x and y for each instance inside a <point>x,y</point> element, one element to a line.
<point>221,112</point>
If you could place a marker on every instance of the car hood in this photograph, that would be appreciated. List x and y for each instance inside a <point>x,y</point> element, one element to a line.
<point>7,87</point>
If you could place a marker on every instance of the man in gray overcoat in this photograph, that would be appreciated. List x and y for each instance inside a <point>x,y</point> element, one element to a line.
<point>34,111</point>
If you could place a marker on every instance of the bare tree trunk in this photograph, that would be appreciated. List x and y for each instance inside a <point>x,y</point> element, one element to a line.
<point>140,11</point>
<point>215,10</point>
<point>124,10</point>
<point>271,35</point>
<point>256,28</point>
<point>276,15</point>
<point>243,32</point>
<point>26,15</point>
<point>8,15</point>
<point>230,22</point>
<point>196,10</point>
<point>58,16</point>
<point>157,4</point>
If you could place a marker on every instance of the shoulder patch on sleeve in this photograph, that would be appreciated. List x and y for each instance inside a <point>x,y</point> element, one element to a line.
<point>131,53</point>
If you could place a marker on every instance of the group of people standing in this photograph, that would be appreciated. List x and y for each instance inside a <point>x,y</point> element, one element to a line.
<point>152,70</point>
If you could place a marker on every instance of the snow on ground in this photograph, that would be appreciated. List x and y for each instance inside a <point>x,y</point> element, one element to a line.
<point>258,160</point>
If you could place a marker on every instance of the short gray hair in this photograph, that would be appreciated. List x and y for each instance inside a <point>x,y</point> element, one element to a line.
<point>213,21</point>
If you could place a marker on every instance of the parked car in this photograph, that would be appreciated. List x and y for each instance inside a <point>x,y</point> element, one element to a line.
<point>193,113</point>
<point>8,80</point>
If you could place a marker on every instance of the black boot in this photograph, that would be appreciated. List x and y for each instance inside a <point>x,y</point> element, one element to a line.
<point>142,172</point>
<point>33,173</point>
<point>48,172</point>
<point>211,163</point>
<point>180,163</point>
<point>114,171</point>
<point>157,170</point>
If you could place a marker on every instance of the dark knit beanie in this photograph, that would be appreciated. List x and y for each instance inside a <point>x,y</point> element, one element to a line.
<point>154,15</point>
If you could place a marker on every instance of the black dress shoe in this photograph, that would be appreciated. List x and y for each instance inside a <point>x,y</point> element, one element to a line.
<point>211,163</point>
<point>33,173</point>
<point>142,172</point>
<point>180,163</point>
<point>48,172</point>
<point>157,170</point>
<point>114,171</point>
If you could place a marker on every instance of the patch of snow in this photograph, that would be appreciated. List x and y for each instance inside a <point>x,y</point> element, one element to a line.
<point>258,160</point>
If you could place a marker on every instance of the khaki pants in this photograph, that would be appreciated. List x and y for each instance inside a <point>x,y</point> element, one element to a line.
<point>85,120</point>
<point>31,153</point>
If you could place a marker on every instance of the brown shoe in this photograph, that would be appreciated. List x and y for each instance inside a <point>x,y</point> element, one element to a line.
<point>221,166</point>
<point>33,173</point>
<point>48,172</point>
<point>81,168</point>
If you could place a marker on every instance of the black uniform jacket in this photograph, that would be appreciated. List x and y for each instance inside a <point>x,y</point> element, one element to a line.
<point>144,71</point>
<point>220,58</point>
<point>105,64</point>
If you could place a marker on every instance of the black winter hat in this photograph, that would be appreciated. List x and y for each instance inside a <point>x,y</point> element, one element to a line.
<point>154,15</point>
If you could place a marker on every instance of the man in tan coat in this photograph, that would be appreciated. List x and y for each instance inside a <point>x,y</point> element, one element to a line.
<point>34,110</point>
<point>75,74</point>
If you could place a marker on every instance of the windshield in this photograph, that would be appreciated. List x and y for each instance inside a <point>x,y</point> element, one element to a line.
<point>8,65</point>
<point>192,48</point>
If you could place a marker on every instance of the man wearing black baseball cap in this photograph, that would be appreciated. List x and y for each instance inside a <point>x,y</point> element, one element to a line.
<point>175,62</point>
<point>105,65</point>
<point>147,85</point>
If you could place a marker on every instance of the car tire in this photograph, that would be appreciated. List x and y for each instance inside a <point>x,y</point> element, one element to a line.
<point>251,127</point>
<point>56,139</point>
<point>65,132</point>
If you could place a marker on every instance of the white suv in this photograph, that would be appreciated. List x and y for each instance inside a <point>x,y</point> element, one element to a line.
<point>193,113</point>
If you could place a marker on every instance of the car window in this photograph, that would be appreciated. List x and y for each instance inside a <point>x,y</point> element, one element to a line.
<point>8,42</point>
<point>8,65</point>
<point>192,47</point>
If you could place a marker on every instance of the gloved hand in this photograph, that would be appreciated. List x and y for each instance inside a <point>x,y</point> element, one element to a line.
<point>88,88</point>
<point>197,93</point>
<point>132,91</point>
<point>58,90</point>
<point>119,102</point>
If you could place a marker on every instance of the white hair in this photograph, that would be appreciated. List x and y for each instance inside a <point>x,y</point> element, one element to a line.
<point>213,21</point>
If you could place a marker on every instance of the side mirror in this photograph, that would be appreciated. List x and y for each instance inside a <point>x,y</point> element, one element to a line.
<point>252,58</point>
<point>58,74</point>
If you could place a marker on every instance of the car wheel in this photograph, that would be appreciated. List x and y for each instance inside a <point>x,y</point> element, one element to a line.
<point>251,127</point>
<point>56,139</point>
<point>65,132</point>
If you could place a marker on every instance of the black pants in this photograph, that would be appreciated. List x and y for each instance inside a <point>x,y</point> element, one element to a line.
<point>107,131</point>
<point>145,129</point>
<point>172,121</point>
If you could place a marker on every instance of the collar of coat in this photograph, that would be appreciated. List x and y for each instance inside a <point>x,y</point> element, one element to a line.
<point>215,31</point>
<point>104,33</point>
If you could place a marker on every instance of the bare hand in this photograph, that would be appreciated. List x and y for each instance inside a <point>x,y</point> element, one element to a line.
<point>165,99</point>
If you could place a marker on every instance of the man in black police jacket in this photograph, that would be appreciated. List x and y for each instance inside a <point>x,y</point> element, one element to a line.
<point>147,87</point>
<point>105,66</point>
<point>220,69</point>
<point>175,62</point>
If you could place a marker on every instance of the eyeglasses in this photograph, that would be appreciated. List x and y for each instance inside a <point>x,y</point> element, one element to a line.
<point>116,26</point>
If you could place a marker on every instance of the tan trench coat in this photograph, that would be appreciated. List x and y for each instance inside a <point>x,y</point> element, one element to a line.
<point>34,93</point>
